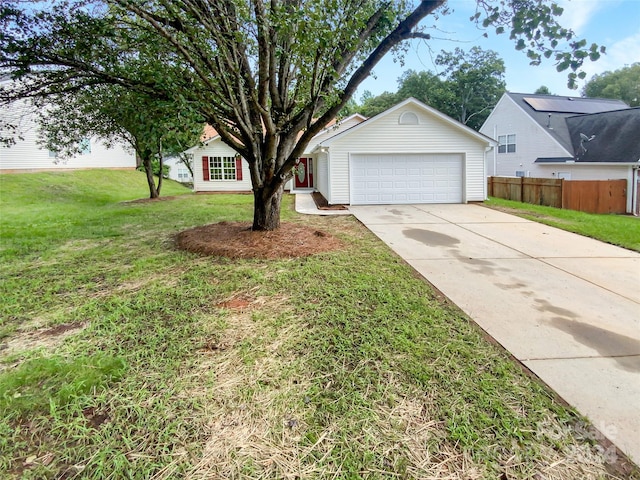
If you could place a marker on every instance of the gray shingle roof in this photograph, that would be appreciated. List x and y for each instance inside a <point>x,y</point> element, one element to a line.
<point>558,114</point>
<point>615,136</point>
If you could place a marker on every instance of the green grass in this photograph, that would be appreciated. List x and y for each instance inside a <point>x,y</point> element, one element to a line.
<point>621,230</point>
<point>341,365</point>
<point>42,385</point>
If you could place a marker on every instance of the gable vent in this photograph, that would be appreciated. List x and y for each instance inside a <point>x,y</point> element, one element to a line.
<point>408,118</point>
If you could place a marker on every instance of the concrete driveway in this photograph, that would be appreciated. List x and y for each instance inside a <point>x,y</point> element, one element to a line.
<point>566,306</point>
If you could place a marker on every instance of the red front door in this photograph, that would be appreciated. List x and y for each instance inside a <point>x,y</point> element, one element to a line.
<point>304,173</point>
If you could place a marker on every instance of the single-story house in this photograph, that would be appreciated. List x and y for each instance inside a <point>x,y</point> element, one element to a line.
<point>573,138</point>
<point>411,153</point>
<point>27,155</point>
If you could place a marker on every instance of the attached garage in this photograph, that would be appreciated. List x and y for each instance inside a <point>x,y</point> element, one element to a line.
<point>406,178</point>
<point>410,153</point>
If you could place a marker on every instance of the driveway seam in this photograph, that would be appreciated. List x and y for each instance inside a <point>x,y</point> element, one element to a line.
<point>634,300</point>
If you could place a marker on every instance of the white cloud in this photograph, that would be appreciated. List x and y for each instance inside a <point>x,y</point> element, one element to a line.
<point>619,54</point>
<point>578,14</point>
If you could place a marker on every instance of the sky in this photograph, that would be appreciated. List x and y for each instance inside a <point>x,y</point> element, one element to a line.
<point>612,23</point>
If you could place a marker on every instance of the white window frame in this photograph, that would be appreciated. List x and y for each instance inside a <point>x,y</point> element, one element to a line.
<point>222,168</point>
<point>507,143</point>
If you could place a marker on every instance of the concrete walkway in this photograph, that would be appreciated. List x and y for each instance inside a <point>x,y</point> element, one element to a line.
<point>566,306</point>
<point>306,205</point>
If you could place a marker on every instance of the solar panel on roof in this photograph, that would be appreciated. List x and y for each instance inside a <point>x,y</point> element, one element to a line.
<point>571,105</point>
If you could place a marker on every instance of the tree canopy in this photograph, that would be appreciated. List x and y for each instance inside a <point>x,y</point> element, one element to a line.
<point>267,76</point>
<point>476,79</point>
<point>543,90</point>
<point>622,84</point>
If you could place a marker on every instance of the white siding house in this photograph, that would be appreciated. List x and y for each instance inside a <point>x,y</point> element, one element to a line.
<point>214,148</point>
<point>178,171</point>
<point>318,173</point>
<point>219,168</point>
<point>410,153</point>
<point>530,140</point>
<point>27,154</point>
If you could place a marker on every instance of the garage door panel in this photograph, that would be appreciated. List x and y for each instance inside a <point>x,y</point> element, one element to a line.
<point>421,178</point>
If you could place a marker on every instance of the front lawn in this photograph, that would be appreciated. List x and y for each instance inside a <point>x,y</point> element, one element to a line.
<point>122,357</point>
<point>621,230</point>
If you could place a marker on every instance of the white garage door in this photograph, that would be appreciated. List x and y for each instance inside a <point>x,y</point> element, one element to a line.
<point>394,179</point>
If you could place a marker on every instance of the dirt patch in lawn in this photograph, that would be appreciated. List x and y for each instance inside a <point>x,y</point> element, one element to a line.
<point>42,338</point>
<point>237,240</point>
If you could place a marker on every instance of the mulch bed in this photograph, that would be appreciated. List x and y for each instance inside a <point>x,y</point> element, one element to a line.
<point>322,203</point>
<point>237,240</point>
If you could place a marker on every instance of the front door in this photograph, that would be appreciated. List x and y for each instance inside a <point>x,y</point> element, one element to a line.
<point>304,173</point>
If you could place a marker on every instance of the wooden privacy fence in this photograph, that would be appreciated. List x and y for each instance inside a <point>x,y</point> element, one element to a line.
<point>591,196</point>
<point>538,191</point>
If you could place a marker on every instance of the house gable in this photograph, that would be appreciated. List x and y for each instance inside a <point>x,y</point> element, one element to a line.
<point>532,140</point>
<point>421,110</point>
<point>551,111</point>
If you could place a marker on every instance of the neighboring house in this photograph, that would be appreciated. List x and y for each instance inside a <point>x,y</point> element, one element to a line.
<point>26,154</point>
<point>574,138</point>
<point>178,171</point>
<point>410,153</point>
<point>218,168</point>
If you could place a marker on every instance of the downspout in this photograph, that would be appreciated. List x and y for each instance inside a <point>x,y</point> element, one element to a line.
<point>634,189</point>
<point>485,187</point>
<point>495,151</point>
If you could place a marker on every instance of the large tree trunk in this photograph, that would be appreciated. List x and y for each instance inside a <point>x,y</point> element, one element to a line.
<point>266,209</point>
